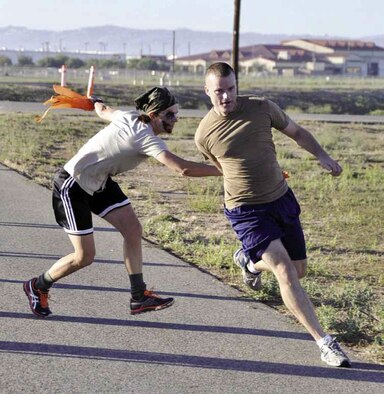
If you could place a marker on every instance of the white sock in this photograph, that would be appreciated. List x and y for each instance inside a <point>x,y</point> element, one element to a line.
<point>252,269</point>
<point>324,340</point>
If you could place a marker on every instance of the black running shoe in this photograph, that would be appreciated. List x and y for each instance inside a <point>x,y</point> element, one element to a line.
<point>38,299</point>
<point>252,280</point>
<point>150,302</point>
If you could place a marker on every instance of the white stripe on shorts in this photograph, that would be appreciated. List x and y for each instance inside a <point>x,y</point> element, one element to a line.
<point>114,206</point>
<point>81,232</point>
<point>64,191</point>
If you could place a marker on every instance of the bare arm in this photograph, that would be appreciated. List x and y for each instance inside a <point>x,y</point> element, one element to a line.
<point>103,111</point>
<point>307,141</point>
<point>185,167</point>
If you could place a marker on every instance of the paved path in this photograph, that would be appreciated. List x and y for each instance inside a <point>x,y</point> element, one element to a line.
<point>211,341</point>
<point>13,106</point>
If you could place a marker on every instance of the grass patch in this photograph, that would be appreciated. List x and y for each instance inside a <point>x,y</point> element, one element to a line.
<point>342,217</point>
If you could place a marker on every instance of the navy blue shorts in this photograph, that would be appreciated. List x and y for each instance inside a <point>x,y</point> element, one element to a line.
<point>256,226</point>
<point>73,206</point>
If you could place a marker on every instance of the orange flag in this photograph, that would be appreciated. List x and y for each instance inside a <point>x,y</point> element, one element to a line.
<point>66,98</point>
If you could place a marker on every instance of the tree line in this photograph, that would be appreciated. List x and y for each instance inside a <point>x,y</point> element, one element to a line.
<point>76,63</point>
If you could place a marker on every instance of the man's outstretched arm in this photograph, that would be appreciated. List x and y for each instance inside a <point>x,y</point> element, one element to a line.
<point>307,141</point>
<point>186,167</point>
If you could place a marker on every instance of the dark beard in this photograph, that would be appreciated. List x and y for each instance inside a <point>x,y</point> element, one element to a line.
<point>165,127</point>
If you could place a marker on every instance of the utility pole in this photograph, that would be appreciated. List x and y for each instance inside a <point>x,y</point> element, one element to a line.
<point>173,51</point>
<point>235,43</point>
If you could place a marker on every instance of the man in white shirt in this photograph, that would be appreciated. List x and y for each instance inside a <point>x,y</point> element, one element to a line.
<point>84,186</point>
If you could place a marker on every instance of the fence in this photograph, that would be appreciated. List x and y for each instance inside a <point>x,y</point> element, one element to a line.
<point>178,78</point>
<point>113,76</point>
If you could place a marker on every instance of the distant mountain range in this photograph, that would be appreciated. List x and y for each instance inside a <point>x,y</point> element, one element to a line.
<point>135,42</point>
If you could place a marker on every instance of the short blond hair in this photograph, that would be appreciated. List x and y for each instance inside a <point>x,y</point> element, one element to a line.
<point>219,69</point>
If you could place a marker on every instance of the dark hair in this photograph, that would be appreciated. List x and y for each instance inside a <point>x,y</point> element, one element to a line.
<point>155,100</point>
<point>144,118</point>
<point>219,69</point>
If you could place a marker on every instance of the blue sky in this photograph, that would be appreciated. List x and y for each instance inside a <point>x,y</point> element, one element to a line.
<point>349,18</point>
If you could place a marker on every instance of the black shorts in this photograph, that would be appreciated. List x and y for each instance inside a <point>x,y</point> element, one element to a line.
<point>73,206</point>
<point>256,226</point>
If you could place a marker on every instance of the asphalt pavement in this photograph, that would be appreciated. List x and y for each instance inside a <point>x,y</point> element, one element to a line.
<point>212,340</point>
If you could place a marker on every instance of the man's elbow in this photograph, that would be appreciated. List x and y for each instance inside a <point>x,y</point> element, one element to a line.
<point>185,171</point>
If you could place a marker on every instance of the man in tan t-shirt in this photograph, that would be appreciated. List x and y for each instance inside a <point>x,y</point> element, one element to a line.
<point>236,135</point>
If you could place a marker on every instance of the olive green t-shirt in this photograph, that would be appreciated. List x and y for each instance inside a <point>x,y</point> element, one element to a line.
<point>243,145</point>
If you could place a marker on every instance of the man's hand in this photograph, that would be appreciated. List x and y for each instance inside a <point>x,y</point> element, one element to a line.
<point>95,99</point>
<point>331,165</point>
<point>103,111</point>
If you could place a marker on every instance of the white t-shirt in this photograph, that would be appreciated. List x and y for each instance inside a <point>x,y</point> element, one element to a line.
<point>119,147</point>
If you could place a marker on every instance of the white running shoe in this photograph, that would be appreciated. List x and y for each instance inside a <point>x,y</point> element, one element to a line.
<point>332,354</point>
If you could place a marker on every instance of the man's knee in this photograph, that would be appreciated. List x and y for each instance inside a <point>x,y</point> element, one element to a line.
<point>301,268</point>
<point>137,228</point>
<point>285,272</point>
<point>133,232</point>
<point>85,258</point>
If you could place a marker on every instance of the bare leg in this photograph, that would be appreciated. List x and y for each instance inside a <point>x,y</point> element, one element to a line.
<point>300,265</point>
<point>294,296</point>
<point>83,256</point>
<point>125,220</point>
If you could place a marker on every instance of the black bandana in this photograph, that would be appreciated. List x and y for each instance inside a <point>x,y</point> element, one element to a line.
<point>155,100</point>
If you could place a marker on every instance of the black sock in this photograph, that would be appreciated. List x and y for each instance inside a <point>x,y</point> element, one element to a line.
<point>44,282</point>
<point>138,286</point>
